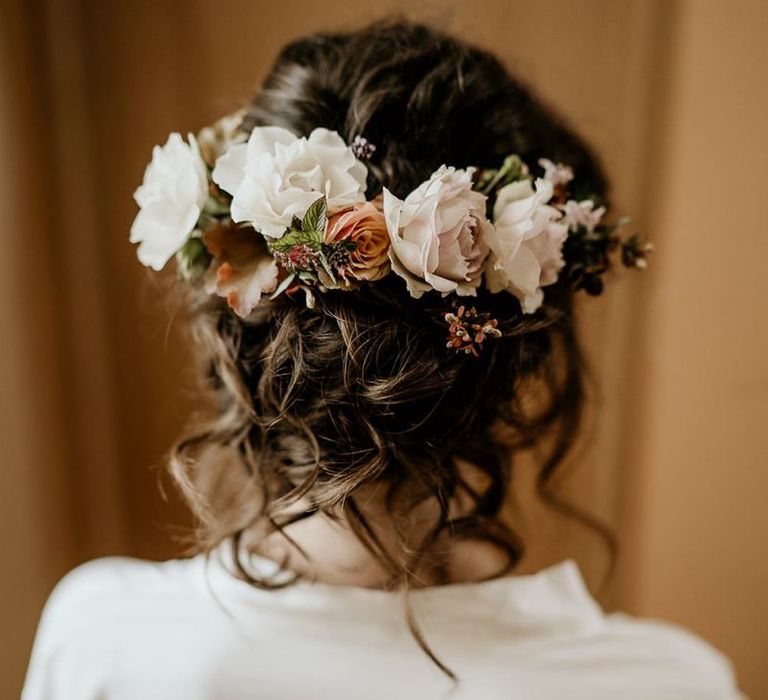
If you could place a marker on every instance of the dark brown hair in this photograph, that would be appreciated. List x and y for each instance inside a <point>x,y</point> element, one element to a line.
<point>316,403</point>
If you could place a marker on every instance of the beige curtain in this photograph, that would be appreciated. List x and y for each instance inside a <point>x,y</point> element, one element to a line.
<point>94,378</point>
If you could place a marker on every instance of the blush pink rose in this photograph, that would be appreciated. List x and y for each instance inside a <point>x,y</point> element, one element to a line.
<point>526,242</point>
<point>438,234</point>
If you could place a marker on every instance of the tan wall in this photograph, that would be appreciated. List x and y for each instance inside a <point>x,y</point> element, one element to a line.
<point>697,522</point>
<point>36,516</point>
<point>95,383</point>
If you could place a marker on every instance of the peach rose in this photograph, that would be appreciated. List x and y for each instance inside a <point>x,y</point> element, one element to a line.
<point>364,225</point>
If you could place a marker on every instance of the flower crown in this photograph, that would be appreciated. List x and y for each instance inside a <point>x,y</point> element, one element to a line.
<point>270,213</point>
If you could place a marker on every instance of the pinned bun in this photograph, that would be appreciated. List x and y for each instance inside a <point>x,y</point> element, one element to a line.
<point>316,403</point>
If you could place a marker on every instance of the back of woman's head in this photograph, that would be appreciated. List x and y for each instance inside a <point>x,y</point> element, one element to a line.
<point>315,403</point>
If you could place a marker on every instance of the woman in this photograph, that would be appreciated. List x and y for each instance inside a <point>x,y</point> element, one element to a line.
<point>380,256</point>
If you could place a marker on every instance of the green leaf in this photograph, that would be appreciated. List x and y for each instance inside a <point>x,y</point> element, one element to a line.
<point>511,170</point>
<point>313,239</point>
<point>315,218</point>
<point>193,258</point>
<point>283,286</point>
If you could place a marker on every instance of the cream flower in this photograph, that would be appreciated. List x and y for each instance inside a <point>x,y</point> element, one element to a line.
<point>170,198</point>
<point>557,173</point>
<point>526,242</point>
<point>217,139</point>
<point>438,234</point>
<point>276,176</point>
<point>583,213</point>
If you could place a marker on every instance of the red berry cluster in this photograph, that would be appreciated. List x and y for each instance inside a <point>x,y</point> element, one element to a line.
<point>468,330</point>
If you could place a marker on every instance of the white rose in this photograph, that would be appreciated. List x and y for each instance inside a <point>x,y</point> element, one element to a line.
<point>276,176</point>
<point>171,197</point>
<point>526,242</point>
<point>438,234</point>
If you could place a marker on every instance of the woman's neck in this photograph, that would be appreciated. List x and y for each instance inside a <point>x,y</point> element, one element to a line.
<point>327,549</point>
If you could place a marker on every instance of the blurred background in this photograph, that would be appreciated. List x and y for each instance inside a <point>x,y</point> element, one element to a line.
<point>95,381</point>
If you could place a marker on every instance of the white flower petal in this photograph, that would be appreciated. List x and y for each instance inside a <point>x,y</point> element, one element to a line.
<point>230,168</point>
<point>526,242</point>
<point>277,176</point>
<point>556,173</point>
<point>583,213</point>
<point>171,197</point>
<point>325,137</point>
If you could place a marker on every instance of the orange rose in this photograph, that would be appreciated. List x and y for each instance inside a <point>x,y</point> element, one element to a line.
<point>364,225</point>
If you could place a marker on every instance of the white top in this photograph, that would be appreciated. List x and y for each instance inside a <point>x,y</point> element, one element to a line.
<point>124,629</point>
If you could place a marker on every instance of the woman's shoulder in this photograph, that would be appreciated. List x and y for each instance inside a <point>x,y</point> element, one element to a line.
<point>99,609</point>
<point>120,612</point>
<point>123,572</point>
<point>678,652</point>
<point>112,585</point>
<point>95,585</point>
